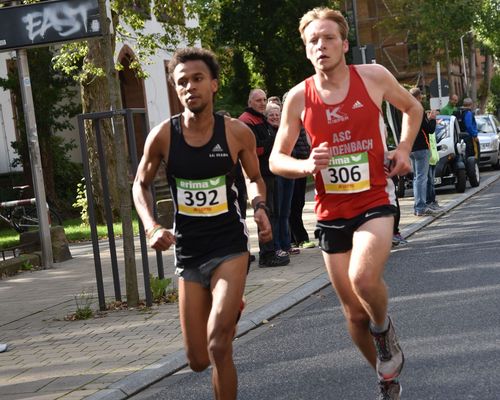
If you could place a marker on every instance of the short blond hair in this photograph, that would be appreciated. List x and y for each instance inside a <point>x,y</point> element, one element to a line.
<point>324,13</point>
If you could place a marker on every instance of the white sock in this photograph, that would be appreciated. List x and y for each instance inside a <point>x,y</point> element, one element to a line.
<point>380,329</point>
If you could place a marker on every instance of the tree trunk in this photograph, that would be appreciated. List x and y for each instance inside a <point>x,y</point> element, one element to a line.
<point>48,171</point>
<point>486,84</point>
<point>122,170</point>
<point>95,98</point>
<point>472,66</point>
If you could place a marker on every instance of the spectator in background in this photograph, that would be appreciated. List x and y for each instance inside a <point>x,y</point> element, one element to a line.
<point>282,196</point>
<point>451,107</point>
<point>239,181</point>
<point>431,201</point>
<point>299,235</point>
<point>265,134</point>
<point>419,156</point>
<point>275,100</point>
<point>469,121</point>
<point>397,238</point>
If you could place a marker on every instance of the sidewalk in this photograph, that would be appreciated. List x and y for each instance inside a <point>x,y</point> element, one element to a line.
<point>117,354</point>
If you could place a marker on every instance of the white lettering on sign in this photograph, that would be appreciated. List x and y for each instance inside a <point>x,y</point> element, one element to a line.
<point>64,19</point>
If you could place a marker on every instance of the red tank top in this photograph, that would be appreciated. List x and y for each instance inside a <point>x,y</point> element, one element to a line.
<point>355,180</point>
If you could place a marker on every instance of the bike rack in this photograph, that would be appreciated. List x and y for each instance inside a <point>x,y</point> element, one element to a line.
<point>96,119</point>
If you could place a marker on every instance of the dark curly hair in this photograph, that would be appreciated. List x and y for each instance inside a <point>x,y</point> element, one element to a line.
<point>193,54</point>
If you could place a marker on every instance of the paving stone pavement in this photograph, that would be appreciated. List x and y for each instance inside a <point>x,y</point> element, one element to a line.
<point>119,352</point>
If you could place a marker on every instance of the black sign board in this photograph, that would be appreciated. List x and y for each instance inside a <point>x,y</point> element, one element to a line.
<point>363,54</point>
<point>434,89</point>
<point>48,22</point>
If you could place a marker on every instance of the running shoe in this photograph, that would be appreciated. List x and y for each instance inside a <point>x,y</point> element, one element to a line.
<point>3,347</point>
<point>307,245</point>
<point>389,390</point>
<point>397,239</point>
<point>390,358</point>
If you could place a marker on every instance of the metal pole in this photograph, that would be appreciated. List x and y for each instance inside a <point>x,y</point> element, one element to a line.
<point>92,217</point>
<point>35,158</point>
<point>363,54</point>
<point>107,208</point>
<point>142,236</point>
<point>438,70</point>
<point>355,17</point>
<point>463,64</point>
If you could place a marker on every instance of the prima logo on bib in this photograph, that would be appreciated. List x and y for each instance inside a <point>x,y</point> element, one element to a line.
<point>334,115</point>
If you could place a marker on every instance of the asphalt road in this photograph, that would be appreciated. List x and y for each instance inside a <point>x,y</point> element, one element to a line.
<point>445,301</point>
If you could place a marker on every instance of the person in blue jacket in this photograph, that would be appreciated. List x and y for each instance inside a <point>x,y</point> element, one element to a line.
<point>469,122</point>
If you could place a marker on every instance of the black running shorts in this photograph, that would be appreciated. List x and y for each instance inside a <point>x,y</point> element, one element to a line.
<point>335,236</point>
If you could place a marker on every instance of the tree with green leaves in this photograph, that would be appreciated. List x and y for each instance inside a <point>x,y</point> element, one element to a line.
<point>438,28</point>
<point>53,95</point>
<point>264,35</point>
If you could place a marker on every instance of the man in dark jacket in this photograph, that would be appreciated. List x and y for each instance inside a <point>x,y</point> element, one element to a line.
<point>254,117</point>
<point>419,156</point>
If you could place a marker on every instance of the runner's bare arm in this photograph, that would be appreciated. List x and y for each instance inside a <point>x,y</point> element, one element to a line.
<point>280,162</point>
<point>256,188</point>
<point>382,85</point>
<point>155,150</point>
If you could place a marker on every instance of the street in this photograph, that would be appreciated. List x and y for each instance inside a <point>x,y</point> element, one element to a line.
<point>445,296</point>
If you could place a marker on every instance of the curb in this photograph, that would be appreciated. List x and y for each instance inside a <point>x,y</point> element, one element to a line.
<point>172,363</point>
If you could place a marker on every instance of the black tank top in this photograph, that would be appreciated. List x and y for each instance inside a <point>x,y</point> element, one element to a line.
<point>207,218</point>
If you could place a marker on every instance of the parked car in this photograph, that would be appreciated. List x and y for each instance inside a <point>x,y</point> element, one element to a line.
<point>488,128</point>
<point>454,167</point>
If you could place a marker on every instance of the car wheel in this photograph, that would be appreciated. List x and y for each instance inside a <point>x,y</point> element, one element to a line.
<point>472,168</point>
<point>461,180</point>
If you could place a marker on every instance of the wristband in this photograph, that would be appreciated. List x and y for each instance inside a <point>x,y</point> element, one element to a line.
<point>261,204</point>
<point>151,232</point>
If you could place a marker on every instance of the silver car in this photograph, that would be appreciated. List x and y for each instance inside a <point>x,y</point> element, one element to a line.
<point>488,129</point>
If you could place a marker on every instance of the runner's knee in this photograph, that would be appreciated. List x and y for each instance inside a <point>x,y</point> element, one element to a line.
<point>219,343</point>
<point>364,284</point>
<point>197,362</point>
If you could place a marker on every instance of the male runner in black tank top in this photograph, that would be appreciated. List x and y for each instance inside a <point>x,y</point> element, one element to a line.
<point>212,278</point>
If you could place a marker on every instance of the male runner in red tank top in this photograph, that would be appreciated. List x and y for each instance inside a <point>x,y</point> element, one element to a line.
<point>340,108</point>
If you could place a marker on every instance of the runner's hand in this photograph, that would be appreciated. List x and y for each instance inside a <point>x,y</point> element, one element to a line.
<point>399,163</point>
<point>264,226</point>
<point>161,239</point>
<point>318,159</point>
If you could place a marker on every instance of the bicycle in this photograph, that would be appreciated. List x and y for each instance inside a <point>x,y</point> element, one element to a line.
<point>22,214</point>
